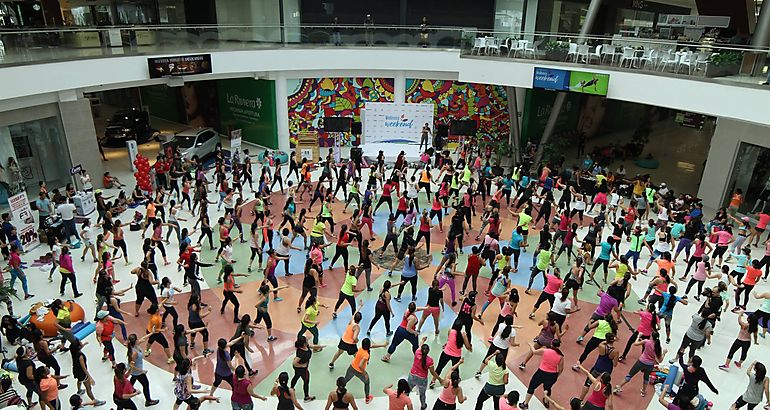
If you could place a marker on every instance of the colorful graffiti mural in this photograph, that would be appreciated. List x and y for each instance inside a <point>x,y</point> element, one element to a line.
<point>487,104</point>
<point>311,99</point>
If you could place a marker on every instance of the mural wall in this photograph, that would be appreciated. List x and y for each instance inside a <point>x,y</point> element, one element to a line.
<point>311,99</point>
<point>487,104</point>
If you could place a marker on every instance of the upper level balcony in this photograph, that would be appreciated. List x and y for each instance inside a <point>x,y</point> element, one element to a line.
<point>706,60</point>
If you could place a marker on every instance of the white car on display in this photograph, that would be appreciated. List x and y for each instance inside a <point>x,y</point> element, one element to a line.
<point>195,141</point>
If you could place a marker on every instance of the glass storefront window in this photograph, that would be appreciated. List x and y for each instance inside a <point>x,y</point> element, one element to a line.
<point>31,152</point>
<point>751,174</point>
<point>509,16</point>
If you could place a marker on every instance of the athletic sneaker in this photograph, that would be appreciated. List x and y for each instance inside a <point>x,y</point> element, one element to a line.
<point>725,367</point>
<point>369,399</point>
<point>271,338</point>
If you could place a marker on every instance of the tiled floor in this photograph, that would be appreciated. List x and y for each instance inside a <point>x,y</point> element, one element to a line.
<point>273,357</point>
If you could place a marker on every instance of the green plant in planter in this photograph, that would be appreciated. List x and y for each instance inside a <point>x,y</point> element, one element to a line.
<point>727,58</point>
<point>556,46</point>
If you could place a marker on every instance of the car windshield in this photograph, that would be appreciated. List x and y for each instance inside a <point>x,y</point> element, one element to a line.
<point>185,141</point>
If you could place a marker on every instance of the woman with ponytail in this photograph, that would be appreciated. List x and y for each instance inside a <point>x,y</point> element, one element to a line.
<point>551,366</point>
<point>399,399</point>
<point>124,390</point>
<point>340,398</point>
<point>135,356</point>
<point>601,391</point>
<point>498,378</point>
<point>699,331</point>
<point>421,366</point>
<point>287,400</point>
<point>224,368</point>
<point>502,340</point>
<point>452,393</point>
<point>603,327</point>
<point>652,354</point>
<point>605,363</point>
<point>648,322</point>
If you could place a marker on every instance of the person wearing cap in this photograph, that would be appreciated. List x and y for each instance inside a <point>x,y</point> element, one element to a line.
<point>105,328</point>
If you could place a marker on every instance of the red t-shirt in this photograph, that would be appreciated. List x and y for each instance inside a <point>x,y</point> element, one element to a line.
<point>474,265</point>
<point>122,386</point>
<point>752,276</point>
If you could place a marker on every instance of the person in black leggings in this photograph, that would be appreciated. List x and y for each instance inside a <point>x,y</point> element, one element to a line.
<point>243,333</point>
<point>300,364</point>
<point>382,309</point>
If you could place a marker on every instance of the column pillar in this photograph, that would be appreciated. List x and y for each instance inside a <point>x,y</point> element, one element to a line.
<point>514,135</point>
<point>78,123</point>
<point>593,11</point>
<point>282,112</point>
<point>399,87</point>
<point>761,37</point>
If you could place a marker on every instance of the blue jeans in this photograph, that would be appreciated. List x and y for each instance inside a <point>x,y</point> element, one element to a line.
<point>70,229</point>
<point>635,255</point>
<point>237,406</point>
<point>18,273</point>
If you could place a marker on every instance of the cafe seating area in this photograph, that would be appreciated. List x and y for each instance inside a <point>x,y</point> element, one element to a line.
<point>663,57</point>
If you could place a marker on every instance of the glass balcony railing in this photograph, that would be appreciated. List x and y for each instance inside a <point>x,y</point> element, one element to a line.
<point>34,46</point>
<point>704,59</point>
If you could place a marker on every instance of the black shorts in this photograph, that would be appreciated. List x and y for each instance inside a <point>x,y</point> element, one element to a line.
<point>572,284</point>
<point>348,348</point>
<point>159,339</point>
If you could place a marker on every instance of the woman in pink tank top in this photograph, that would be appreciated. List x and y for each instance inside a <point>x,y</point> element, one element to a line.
<point>551,366</point>
<point>600,395</point>
<point>452,393</point>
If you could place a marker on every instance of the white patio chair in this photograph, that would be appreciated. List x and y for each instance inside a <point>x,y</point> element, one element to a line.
<point>478,44</point>
<point>629,54</point>
<point>514,47</point>
<point>597,54</point>
<point>582,53</point>
<point>668,58</point>
<point>493,45</point>
<point>531,48</point>
<point>609,50</point>
<point>685,60</point>
<point>702,60</point>
<point>649,56</point>
<point>572,52</point>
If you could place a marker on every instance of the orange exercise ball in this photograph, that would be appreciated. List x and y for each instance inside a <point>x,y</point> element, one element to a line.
<point>48,324</point>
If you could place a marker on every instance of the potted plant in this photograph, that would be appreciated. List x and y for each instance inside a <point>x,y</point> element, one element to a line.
<point>556,50</point>
<point>724,64</point>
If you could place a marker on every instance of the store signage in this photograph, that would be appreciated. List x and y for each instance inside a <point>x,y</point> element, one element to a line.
<point>76,169</point>
<point>24,220</point>
<point>179,65</point>
<point>574,81</point>
<point>235,145</point>
<point>396,122</point>
<point>550,79</point>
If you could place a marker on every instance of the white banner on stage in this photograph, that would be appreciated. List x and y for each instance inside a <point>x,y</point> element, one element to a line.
<point>396,122</point>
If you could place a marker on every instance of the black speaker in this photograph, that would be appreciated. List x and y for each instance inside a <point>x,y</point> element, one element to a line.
<point>442,131</point>
<point>463,127</point>
<point>356,153</point>
<point>356,128</point>
<point>337,124</point>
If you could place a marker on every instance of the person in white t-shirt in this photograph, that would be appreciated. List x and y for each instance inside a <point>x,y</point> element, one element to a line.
<point>562,306</point>
<point>86,236</point>
<point>67,212</point>
<point>503,339</point>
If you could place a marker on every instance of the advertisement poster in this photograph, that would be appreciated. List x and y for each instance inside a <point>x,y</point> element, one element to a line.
<point>248,105</point>
<point>574,81</point>
<point>550,79</point>
<point>235,146</point>
<point>133,150</point>
<point>24,220</point>
<point>589,83</point>
<point>396,122</point>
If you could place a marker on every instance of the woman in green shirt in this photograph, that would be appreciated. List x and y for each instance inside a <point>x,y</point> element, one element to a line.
<point>498,378</point>
<point>309,322</point>
<point>603,327</point>
<point>348,291</point>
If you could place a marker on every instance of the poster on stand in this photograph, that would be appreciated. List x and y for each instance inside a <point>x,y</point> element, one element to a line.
<point>133,150</point>
<point>24,221</point>
<point>396,122</point>
<point>235,146</point>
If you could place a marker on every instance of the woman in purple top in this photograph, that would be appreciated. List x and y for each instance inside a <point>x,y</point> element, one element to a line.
<point>607,305</point>
<point>243,391</point>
